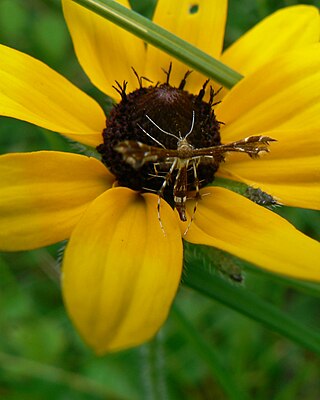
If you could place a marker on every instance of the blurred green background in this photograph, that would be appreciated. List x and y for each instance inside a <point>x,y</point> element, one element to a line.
<point>42,357</point>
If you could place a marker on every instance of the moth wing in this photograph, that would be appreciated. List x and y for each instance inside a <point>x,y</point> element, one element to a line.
<point>137,154</point>
<point>252,145</point>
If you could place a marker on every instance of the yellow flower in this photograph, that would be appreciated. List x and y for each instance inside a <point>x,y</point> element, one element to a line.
<point>120,272</point>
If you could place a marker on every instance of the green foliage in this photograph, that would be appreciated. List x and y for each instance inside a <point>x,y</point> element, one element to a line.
<point>206,350</point>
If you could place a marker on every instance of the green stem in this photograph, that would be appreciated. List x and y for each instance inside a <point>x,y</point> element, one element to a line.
<point>164,40</point>
<point>153,369</point>
<point>147,381</point>
<point>160,366</point>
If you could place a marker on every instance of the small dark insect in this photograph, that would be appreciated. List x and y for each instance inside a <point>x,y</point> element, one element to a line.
<point>183,158</point>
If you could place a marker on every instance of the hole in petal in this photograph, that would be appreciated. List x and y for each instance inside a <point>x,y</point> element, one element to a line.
<point>194,8</point>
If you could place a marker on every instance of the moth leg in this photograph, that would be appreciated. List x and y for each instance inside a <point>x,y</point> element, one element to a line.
<point>180,189</point>
<point>197,196</point>
<point>161,192</point>
<point>155,168</point>
<point>195,163</point>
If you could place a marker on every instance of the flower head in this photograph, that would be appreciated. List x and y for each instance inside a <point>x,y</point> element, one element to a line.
<point>123,262</point>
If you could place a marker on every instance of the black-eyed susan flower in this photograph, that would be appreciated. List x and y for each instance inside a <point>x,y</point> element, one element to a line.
<point>123,261</point>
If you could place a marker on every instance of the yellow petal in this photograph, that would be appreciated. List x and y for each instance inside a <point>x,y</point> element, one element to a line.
<point>43,194</point>
<point>201,23</point>
<point>283,95</point>
<point>233,223</point>
<point>105,51</point>
<point>33,92</point>
<point>290,172</point>
<point>120,271</point>
<point>287,29</point>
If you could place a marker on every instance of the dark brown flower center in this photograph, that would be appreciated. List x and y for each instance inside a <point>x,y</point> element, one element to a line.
<point>158,116</point>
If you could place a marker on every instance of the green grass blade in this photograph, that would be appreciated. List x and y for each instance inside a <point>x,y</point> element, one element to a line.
<point>164,40</point>
<point>209,355</point>
<point>198,277</point>
<point>46,373</point>
<point>308,288</point>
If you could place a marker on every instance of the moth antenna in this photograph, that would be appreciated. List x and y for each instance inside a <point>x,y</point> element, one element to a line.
<point>162,130</point>
<point>151,137</point>
<point>192,124</point>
